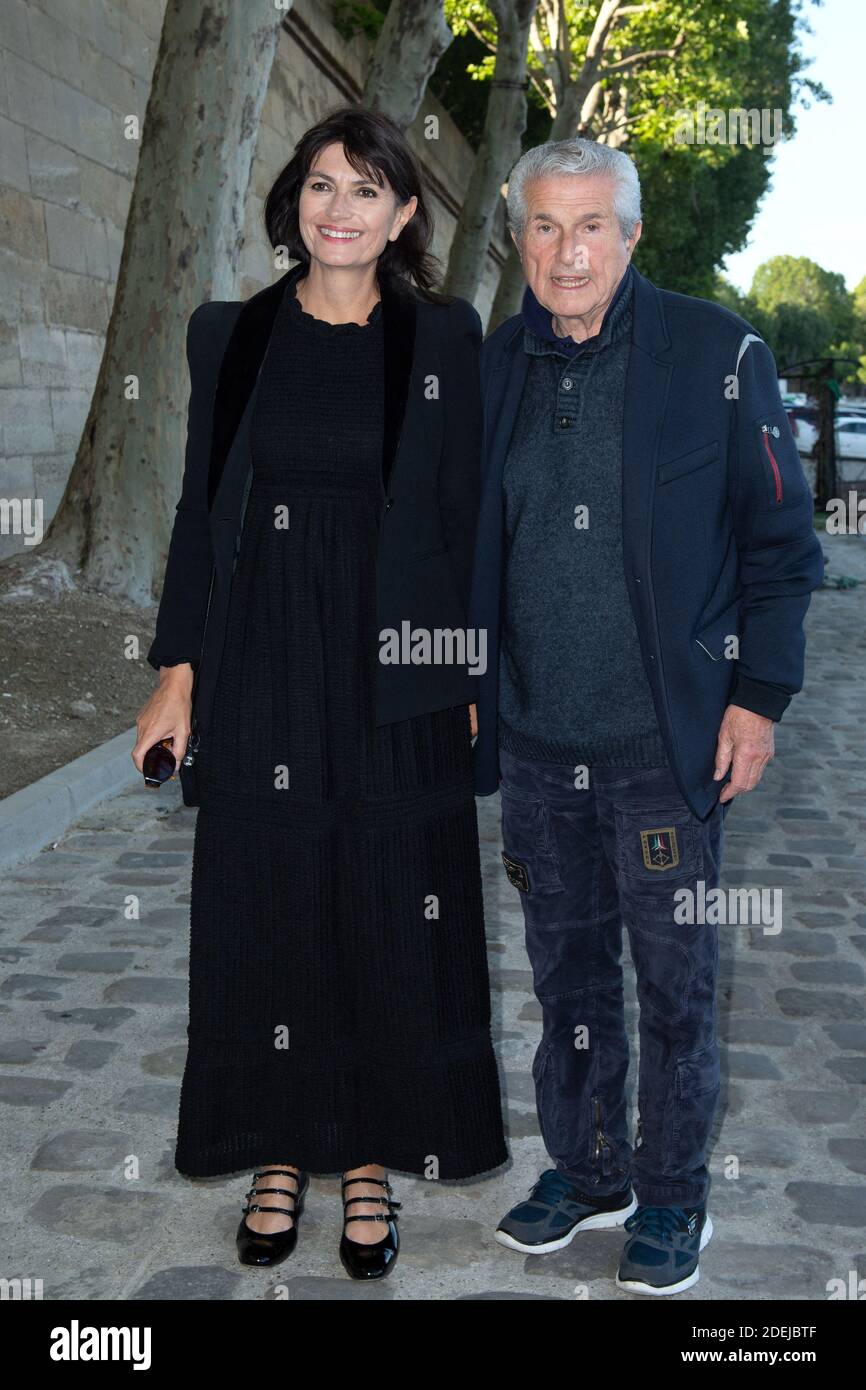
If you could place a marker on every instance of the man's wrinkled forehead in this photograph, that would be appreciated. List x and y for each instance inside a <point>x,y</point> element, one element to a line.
<point>570,198</point>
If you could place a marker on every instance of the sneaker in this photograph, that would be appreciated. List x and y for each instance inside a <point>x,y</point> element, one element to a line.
<point>555,1211</point>
<point>661,1255</point>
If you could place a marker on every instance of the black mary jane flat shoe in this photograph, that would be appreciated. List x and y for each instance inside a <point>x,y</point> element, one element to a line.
<point>370,1261</point>
<point>256,1248</point>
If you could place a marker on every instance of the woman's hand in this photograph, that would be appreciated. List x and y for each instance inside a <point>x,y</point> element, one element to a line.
<point>473,720</point>
<point>166,714</point>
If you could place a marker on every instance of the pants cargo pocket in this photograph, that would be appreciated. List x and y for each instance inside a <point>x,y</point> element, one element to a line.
<point>692,1106</point>
<point>529,855</point>
<point>656,847</point>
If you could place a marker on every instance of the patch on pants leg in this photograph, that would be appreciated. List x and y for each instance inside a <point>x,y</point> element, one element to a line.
<point>660,848</point>
<point>516,873</point>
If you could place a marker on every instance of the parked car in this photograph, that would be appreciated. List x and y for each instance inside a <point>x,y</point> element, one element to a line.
<point>851,437</point>
<point>803,420</point>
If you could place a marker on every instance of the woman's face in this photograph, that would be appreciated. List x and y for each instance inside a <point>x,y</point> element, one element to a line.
<point>346,219</point>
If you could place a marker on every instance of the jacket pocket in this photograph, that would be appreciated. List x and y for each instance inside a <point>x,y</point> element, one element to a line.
<point>769,431</point>
<point>780,461</point>
<point>687,463</point>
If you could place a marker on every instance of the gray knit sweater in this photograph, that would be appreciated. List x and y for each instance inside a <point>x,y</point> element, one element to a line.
<point>572,683</point>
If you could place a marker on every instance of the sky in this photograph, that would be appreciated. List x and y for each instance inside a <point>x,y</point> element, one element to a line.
<point>816,203</point>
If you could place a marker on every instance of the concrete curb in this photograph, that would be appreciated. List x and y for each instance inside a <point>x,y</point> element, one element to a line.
<point>38,815</point>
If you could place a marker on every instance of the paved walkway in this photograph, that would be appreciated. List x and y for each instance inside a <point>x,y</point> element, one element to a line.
<point>94,1022</point>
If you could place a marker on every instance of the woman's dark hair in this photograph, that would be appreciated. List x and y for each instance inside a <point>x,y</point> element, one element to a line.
<point>375,146</point>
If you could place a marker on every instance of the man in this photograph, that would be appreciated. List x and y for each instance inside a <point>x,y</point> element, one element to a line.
<point>644,563</point>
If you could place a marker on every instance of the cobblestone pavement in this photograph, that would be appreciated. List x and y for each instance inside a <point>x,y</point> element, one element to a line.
<point>94,1021</point>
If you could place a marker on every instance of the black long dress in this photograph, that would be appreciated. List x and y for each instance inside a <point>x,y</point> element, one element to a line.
<point>339,1003</point>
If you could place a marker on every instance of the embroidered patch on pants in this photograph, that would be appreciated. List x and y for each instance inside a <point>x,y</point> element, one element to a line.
<point>516,873</point>
<point>660,848</point>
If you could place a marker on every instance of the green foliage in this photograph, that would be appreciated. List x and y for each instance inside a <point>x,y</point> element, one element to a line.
<point>460,79</point>
<point>804,312</point>
<point>351,17</point>
<point>797,333</point>
<point>699,199</point>
<point>694,214</point>
<point>798,281</point>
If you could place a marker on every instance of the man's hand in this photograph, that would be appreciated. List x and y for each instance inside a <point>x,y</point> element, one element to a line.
<point>745,744</point>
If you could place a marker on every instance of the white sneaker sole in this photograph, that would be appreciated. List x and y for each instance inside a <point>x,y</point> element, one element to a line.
<point>636,1286</point>
<point>603,1221</point>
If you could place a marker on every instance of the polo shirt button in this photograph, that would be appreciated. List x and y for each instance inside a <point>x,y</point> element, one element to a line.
<point>567,383</point>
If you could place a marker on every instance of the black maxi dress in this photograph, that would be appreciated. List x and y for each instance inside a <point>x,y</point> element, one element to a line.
<point>339,1001</point>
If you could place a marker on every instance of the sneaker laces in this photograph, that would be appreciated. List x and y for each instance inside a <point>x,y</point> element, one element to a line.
<point>659,1223</point>
<point>551,1187</point>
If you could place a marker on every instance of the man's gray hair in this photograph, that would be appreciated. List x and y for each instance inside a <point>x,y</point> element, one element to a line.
<point>575,156</point>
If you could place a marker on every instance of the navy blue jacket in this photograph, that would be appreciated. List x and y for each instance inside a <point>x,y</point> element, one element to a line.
<point>718,536</point>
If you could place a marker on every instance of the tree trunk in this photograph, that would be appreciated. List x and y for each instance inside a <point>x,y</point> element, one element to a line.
<point>509,291</point>
<point>410,44</point>
<point>504,125</point>
<point>826,479</point>
<point>183,239</point>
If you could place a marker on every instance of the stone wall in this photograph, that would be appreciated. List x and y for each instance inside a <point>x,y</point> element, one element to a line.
<point>68,70</point>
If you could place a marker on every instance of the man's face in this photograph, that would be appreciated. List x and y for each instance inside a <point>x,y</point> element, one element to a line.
<point>573,252</point>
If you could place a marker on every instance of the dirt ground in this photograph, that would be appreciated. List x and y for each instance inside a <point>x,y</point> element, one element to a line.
<point>65,684</point>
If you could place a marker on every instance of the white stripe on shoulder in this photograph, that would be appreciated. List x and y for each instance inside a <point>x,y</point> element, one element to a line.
<point>749,338</point>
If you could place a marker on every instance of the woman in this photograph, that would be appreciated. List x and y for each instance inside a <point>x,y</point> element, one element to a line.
<point>339,1004</point>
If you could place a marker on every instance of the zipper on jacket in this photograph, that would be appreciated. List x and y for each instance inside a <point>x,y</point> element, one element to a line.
<point>765,429</point>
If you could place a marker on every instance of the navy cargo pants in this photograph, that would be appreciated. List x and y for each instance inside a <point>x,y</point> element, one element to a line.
<point>586,862</point>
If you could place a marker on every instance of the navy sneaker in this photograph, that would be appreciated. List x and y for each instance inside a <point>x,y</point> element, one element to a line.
<point>555,1211</point>
<point>661,1255</point>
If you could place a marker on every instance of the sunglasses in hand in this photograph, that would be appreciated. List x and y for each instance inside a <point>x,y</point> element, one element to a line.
<point>158,764</point>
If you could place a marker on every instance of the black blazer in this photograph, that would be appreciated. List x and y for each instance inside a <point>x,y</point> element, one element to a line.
<point>430,491</point>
